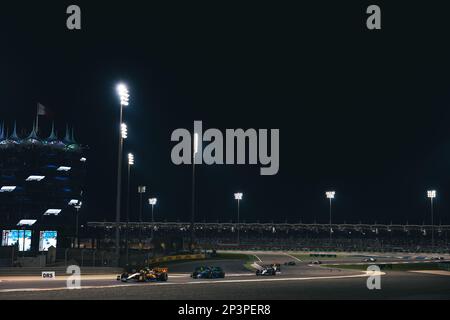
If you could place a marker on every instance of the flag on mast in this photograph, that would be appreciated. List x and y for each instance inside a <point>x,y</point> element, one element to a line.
<point>41,111</point>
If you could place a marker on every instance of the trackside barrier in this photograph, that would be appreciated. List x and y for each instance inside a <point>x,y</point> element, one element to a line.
<point>177,257</point>
<point>318,255</point>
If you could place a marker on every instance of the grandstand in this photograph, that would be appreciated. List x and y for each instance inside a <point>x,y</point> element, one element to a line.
<point>41,181</point>
<point>345,237</point>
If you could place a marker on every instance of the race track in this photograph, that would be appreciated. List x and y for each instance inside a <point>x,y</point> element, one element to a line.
<point>302,281</point>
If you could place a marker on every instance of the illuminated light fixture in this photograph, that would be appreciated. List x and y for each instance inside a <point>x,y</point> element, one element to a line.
<point>431,194</point>
<point>141,189</point>
<point>73,202</point>
<point>330,194</point>
<point>83,159</point>
<point>63,168</point>
<point>195,143</point>
<point>124,96</point>
<point>26,222</point>
<point>79,204</point>
<point>152,201</point>
<point>7,188</point>
<point>50,212</point>
<point>238,196</point>
<point>130,159</point>
<point>124,130</point>
<point>35,178</point>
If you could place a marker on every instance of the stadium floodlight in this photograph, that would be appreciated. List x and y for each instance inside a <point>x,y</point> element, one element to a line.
<point>64,168</point>
<point>432,194</point>
<point>34,178</point>
<point>26,222</point>
<point>73,202</point>
<point>124,96</point>
<point>53,212</point>
<point>152,202</point>
<point>130,159</point>
<point>330,195</point>
<point>238,197</point>
<point>7,188</point>
<point>124,131</point>
<point>83,159</point>
<point>195,143</point>
<point>195,151</point>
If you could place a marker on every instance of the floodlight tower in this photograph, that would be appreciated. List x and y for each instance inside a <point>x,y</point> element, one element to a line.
<point>432,194</point>
<point>238,197</point>
<point>122,91</point>
<point>330,195</point>
<point>152,202</point>
<point>195,150</point>
<point>130,163</point>
<point>77,205</point>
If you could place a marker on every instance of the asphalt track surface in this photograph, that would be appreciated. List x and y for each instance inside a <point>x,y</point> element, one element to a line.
<point>302,281</point>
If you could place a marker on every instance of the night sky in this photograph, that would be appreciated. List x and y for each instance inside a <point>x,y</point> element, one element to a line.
<point>364,113</point>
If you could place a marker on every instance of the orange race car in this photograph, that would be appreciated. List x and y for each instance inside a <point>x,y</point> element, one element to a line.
<point>145,275</point>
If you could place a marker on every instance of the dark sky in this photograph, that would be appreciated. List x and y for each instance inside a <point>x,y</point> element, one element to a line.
<point>364,113</point>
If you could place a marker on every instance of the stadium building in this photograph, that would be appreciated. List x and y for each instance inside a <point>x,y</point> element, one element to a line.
<point>41,189</point>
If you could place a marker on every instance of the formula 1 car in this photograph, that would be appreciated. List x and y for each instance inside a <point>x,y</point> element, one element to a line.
<point>276,267</point>
<point>290,263</point>
<point>266,271</point>
<point>370,259</point>
<point>145,275</point>
<point>206,272</point>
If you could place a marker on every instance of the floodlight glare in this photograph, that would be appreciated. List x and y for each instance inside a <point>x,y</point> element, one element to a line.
<point>83,159</point>
<point>73,202</point>
<point>431,194</point>
<point>330,194</point>
<point>63,168</point>
<point>130,159</point>
<point>123,94</point>
<point>238,196</point>
<point>195,143</point>
<point>152,201</point>
<point>34,178</point>
<point>7,188</point>
<point>124,130</point>
<point>26,222</point>
<point>54,212</point>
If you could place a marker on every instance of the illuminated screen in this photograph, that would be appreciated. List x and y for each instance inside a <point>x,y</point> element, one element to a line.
<point>47,239</point>
<point>11,237</point>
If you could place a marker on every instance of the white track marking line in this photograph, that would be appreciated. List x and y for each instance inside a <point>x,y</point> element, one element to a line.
<point>365,274</point>
<point>257,258</point>
<point>293,257</point>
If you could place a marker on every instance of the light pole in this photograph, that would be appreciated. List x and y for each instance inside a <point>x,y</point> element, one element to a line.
<point>195,150</point>
<point>330,195</point>
<point>77,207</point>
<point>124,96</point>
<point>432,194</point>
<point>238,197</point>
<point>152,202</point>
<point>130,163</point>
<point>141,191</point>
